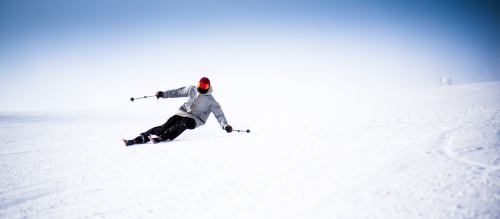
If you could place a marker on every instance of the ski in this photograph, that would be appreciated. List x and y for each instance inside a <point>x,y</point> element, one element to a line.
<point>154,140</point>
<point>131,142</point>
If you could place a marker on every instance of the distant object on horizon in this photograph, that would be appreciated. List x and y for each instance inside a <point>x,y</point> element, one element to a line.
<point>446,81</point>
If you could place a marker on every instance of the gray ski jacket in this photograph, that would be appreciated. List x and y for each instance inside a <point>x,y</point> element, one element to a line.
<point>198,106</point>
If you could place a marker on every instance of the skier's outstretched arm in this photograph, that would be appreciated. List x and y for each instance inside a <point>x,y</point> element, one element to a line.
<point>179,92</point>
<point>221,118</point>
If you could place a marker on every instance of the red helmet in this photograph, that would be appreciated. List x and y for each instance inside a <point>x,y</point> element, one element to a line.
<point>203,85</point>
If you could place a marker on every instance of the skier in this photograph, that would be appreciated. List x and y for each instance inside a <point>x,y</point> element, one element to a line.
<point>192,114</point>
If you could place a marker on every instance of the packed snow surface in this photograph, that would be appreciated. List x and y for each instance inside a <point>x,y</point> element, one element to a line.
<point>415,153</point>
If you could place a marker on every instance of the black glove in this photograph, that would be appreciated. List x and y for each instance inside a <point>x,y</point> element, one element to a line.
<point>229,129</point>
<point>158,94</point>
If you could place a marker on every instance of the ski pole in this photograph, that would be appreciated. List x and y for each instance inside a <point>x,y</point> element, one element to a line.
<point>132,99</point>
<point>247,131</point>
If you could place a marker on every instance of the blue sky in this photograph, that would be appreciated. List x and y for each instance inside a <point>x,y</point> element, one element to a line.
<point>59,54</point>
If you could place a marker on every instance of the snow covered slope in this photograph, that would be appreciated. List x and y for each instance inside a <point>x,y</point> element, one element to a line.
<point>420,153</point>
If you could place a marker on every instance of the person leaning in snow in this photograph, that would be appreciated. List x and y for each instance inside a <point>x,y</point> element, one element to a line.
<point>192,114</point>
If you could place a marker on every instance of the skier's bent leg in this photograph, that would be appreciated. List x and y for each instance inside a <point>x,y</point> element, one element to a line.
<point>176,130</point>
<point>158,130</point>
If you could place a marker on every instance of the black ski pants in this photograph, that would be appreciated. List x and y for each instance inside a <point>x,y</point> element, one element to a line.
<point>174,127</point>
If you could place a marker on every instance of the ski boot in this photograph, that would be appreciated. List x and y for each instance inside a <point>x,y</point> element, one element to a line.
<point>138,140</point>
<point>128,142</point>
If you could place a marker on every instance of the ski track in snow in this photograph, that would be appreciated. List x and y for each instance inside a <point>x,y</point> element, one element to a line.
<point>477,141</point>
<point>439,162</point>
